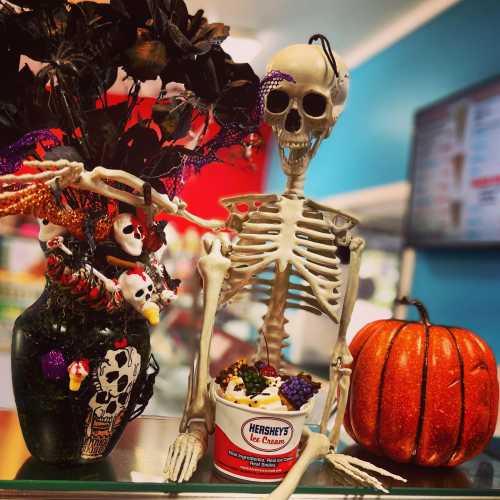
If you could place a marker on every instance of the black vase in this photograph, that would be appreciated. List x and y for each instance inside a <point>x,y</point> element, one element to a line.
<point>67,424</point>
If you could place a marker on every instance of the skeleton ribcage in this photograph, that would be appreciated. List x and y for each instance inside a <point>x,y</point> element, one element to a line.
<point>286,236</point>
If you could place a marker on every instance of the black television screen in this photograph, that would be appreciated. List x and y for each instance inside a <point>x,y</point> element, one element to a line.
<point>455,170</point>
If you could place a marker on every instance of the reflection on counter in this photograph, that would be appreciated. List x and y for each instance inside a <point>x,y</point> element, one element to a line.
<point>140,454</point>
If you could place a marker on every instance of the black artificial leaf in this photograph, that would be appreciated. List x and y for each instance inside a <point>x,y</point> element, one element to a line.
<point>174,118</point>
<point>38,4</point>
<point>135,146</point>
<point>101,31</point>
<point>228,71</point>
<point>177,12</point>
<point>137,10</point>
<point>28,33</point>
<point>211,34</point>
<point>94,81</point>
<point>10,71</point>
<point>175,71</point>
<point>203,78</point>
<point>195,22</point>
<point>162,164</point>
<point>104,127</point>
<point>240,71</point>
<point>177,41</point>
<point>236,103</point>
<point>146,59</point>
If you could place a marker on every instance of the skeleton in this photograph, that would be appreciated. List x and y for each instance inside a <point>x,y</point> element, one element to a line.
<point>286,253</point>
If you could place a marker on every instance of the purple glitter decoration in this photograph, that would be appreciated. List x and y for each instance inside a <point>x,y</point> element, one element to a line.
<point>54,365</point>
<point>12,156</point>
<point>268,83</point>
<point>298,390</point>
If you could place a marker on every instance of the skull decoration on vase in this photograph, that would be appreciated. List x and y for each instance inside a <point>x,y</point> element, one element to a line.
<point>287,253</point>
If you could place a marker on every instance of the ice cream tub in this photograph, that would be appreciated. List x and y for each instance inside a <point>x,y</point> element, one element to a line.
<point>253,444</point>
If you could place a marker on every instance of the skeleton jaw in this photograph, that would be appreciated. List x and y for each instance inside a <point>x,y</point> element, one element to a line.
<point>295,157</point>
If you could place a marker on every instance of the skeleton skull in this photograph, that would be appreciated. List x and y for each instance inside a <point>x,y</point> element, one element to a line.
<point>129,234</point>
<point>137,289</point>
<point>303,112</point>
<point>49,230</point>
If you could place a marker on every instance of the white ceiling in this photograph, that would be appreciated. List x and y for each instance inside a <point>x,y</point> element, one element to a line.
<point>355,27</point>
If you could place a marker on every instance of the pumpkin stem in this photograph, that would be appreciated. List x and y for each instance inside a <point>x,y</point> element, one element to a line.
<point>424,315</point>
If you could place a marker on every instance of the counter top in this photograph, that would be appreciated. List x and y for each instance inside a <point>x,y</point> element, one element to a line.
<point>134,470</point>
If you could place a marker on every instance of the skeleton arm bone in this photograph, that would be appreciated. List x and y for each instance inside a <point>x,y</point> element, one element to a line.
<point>95,181</point>
<point>198,417</point>
<point>339,375</point>
<point>213,268</point>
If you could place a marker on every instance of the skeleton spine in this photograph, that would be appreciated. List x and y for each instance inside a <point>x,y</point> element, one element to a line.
<point>295,185</point>
<point>272,330</point>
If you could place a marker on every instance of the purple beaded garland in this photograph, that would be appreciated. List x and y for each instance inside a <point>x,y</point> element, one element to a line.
<point>54,365</point>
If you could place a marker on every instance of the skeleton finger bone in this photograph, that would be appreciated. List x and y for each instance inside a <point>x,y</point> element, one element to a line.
<point>352,467</point>
<point>183,456</point>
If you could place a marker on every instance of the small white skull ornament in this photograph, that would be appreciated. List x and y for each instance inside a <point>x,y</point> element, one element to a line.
<point>48,230</point>
<point>303,112</point>
<point>137,289</point>
<point>129,234</point>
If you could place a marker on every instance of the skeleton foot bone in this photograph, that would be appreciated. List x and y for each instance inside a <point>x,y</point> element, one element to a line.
<point>352,468</point>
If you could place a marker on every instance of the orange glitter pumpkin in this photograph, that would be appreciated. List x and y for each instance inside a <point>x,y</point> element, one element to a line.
<point>421,393</point>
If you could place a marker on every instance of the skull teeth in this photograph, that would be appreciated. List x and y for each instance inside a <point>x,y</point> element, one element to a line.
<point>295,145</point>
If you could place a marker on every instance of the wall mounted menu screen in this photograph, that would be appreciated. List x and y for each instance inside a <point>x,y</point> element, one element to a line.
<point>456,171</point>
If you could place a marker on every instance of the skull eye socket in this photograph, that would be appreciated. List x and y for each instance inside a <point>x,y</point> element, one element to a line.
<point>45,222</point>
<point>314,104</point>
<point>277,101</point>
<point>128,229</point>
<point>150,288</point>
<point>139,293</point>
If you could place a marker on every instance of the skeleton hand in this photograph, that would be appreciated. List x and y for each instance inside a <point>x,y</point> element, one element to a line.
<point>185,452</point>
<point>352,473</point>
<point>348,470</point>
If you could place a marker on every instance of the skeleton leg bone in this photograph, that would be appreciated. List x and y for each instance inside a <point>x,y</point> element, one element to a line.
<point>198,418</point>
<point>341,356</point>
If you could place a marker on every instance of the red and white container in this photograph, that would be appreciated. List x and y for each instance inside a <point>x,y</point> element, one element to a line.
<point>255,445</point>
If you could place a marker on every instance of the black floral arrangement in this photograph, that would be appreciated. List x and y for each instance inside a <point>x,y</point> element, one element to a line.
<point>62,114</point>
<point>100,175</point>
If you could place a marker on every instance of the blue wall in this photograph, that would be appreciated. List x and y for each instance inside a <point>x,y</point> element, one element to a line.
<point>371,146</point>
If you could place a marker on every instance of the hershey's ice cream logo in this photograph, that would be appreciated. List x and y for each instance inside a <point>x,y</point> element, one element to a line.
<point>267,433</point>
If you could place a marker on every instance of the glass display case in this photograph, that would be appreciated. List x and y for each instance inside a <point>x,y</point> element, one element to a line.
<point>134,470</point>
